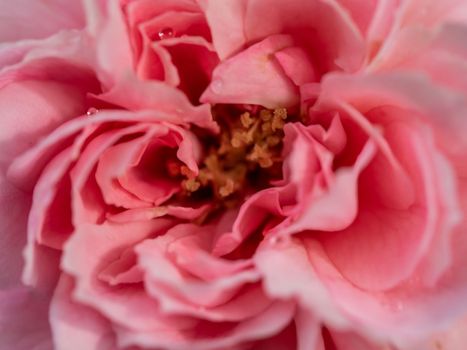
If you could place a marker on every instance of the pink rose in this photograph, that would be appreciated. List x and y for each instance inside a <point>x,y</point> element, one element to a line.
<point>233,174</point>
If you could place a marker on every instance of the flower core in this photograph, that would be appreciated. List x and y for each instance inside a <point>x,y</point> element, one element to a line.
<point>243,158</point>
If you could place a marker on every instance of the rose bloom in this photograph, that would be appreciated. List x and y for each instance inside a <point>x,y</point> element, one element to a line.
<point>235,174</point>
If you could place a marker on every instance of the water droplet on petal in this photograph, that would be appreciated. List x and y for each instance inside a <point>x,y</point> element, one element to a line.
<point>165,33</point>
<point>216,86</point>
<point>92,111</point>
<point>278,240</point>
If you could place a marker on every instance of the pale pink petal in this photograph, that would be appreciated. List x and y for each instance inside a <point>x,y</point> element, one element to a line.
<point>228,35</point>
<point>133,94</point>
<point>323,27</point>
<point>24,19</point>
<point>75,325</point>
<point>430,13</point>
<point>47,58</point>
<point>308,330</point>
<point>452,338</point>
<point>381,24</point>
<point>113,51</point>
<point>288,257</point>
<point>389,253</point>
<point>297,65</point>
<point>26,169</point>
<point>31,109</point>
<point>266,84</point>
<point>404,315</point>
<point>441,55</point>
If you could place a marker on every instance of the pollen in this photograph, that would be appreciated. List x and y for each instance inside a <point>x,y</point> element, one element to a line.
<point>246,151</point>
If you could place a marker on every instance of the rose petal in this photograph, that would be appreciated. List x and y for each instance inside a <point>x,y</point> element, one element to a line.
<point>266,84</point>
<point>23,320</point>
<point>89,250</point>
<point>207,336</point>
<point>66,319</point>
<point>40,20</point>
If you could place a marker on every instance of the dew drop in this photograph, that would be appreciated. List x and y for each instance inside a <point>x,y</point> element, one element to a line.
<point>278,240</point>
<point>92,111</point>
<point>216,86</point>
<point>165,33</point>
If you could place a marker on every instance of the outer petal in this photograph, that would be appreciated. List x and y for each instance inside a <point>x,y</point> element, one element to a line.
<point>24,19</point>
<point>76,326</point>
<point>14,206</point>
<point>323,25</point>
<point>23,320</point>
<point>31,109</point>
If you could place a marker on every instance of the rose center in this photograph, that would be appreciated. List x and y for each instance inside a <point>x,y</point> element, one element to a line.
<point>243,158</point>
